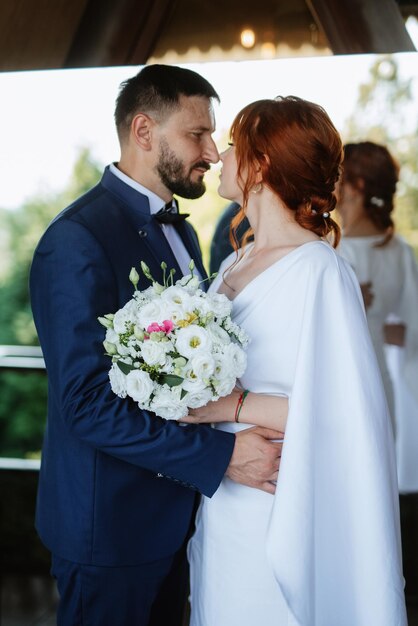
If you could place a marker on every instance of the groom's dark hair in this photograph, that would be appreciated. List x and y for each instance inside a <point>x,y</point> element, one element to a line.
<point>155,90</point>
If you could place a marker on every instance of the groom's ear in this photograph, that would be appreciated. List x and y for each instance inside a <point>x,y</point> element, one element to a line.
<point>141,130</point>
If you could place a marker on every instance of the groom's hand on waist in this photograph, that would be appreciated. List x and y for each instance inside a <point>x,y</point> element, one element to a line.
<point>255,460</point>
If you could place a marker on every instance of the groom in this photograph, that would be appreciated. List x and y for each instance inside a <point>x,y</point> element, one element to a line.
<point>118,486</point>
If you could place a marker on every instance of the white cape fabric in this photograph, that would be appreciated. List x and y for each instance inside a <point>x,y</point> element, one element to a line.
<point>325,550</point>
<point>393,271</point>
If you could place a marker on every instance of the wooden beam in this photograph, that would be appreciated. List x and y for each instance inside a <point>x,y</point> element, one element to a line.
<point>118,33</point>
<point>148,34</point>
<point>362,26</point>
<point>36,35</point>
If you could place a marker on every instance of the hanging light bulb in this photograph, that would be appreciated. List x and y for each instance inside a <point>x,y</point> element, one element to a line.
<point>247,38</point>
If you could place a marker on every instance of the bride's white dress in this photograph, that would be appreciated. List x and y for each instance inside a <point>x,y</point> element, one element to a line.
<point>325,550</point>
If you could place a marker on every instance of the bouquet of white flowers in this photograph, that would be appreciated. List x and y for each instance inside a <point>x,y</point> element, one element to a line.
<point>173,346</point>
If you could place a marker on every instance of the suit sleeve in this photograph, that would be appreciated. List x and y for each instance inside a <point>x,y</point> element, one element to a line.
<point>72,283</point>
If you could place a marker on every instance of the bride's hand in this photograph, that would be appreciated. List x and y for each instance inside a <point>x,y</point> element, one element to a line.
<point>222,410</point>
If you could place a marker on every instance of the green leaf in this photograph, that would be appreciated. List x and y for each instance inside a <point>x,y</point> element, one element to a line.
<point>171,380</point>
<point>125,368</point>
<point>183,393</point>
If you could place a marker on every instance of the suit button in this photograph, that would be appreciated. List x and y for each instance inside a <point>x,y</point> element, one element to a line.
<point>160,475</point>
<point>142,233</point>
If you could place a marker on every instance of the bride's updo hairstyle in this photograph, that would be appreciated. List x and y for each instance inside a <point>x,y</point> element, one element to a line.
<point>298,151</point>
<point>371,169</point>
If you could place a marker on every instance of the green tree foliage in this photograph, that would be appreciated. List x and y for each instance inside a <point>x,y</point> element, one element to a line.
<point>386,114</point>
<point>23,394</point>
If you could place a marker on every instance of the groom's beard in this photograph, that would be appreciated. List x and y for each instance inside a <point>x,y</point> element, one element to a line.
<point>172,173</point>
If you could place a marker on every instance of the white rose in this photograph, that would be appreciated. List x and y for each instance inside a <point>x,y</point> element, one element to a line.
<point>218,335</point>
<point>167,403</point>
<point>125,317</point>
<point>139,386</point>
<point>197,399</point>
<point>191,382</point>
<point>189,282</point>
<point>112,336</point>
<point>153,352</point>
<point>154,311</point>
<point>202,303</point>
<point>203,365</point>
<point>146,295</point>
<point>123,350</point>
<point>220,305</point>
<point>192,340</point>
<point>177,298</point>
<point>224,378</point>
<point>237,359</point>
<point>224,386</point>
<point>134,352</point>
<point>117,381</point>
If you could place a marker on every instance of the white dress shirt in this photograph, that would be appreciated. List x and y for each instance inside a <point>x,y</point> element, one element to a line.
<point>155,204</point>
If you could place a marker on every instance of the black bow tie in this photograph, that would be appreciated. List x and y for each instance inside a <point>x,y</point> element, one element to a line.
<point>169,214</point>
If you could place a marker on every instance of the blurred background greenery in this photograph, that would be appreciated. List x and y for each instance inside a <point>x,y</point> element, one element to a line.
<point>385,112</point>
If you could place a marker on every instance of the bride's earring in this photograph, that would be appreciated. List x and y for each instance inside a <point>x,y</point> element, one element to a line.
<point>258,187</point>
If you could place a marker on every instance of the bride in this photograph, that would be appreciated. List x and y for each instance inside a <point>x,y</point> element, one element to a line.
<point>325,549</point>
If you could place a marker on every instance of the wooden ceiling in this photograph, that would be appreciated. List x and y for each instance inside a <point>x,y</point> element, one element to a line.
<point>52,34</point>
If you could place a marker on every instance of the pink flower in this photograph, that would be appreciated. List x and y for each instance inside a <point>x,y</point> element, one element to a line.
<point>166,327</point>
<point>154,328</point>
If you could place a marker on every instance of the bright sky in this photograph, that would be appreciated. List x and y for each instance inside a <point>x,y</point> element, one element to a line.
<point>46,117</point>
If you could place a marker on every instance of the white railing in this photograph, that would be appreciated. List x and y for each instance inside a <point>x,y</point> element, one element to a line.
<point>21,357</point>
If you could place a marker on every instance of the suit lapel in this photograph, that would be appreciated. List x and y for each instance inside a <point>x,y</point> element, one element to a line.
<point>135,206</point>
<point>190,240</point>
<point>154,239</point>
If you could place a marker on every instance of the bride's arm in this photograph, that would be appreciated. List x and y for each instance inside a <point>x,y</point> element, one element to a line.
<point>257,409</point>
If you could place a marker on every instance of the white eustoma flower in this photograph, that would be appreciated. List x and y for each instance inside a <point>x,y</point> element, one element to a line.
<point>202,365</point>
<point>189,282</point>
<point>125,317</point>
<point>224,386</point>
<point>117,381</point>
<point>220,304</point>
<point>177,298</point>
<point>179,330</point>
<point>123,350</point>
<point>139,386</point>
<point>191,382</point>
<point>193,339</point>
<point>223,367</point>
<point>153,352</point>
<point>154,311</point>
<point>112,336</point>
<point>196,399</point>
<point>237,357</point>
<point>167,403</point>
<point>218,335</point>
<point>145,296</point>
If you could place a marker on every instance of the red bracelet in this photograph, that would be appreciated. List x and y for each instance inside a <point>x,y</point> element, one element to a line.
<point>240,402</point>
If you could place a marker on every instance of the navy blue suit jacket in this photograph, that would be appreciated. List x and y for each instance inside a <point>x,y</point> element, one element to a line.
<point>117,485</point>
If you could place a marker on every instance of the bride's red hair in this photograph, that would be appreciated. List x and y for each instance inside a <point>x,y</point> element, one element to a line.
<point>298,151</point>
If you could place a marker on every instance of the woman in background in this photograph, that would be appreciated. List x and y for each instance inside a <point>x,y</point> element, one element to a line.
<point>388,272</point>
